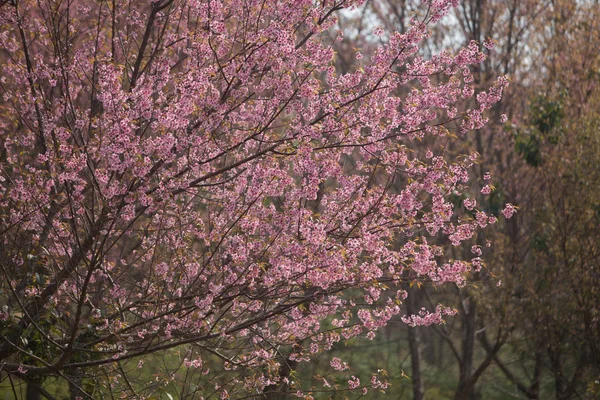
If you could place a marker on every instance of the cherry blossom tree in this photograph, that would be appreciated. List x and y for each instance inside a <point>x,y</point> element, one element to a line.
<point>197,176</point>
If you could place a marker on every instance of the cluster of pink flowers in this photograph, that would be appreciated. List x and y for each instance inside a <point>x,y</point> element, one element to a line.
<point>354,382</point>
<point>217,181</point>
<point>425,318</point>
<point>338,364</point>
<point>509,211</point>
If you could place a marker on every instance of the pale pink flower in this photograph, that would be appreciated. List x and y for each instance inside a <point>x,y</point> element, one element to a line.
<point>509,210</point>
<point>354,382</point>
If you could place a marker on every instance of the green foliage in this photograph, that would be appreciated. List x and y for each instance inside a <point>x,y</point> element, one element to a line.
<point>546,116</point>
<point>527,144</point>
<point>539,242</point>
<point>495,201</point>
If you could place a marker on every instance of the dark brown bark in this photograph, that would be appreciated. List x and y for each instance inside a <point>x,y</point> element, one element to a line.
<point>415,351</point>
<point>279,392</point>
<point>75,386</point>
<point>465,384</point>
<point>33,390</point>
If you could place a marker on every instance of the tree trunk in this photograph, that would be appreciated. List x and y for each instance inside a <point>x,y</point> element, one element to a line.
<point>279,391</point>
<point>465,383</point>
<point>415,354</point>
<point>75,388</point>
<point>33,390</point>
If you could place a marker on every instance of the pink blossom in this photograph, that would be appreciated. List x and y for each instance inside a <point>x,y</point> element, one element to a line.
<point>425,318</point>
<point>509,210</point>
<point>489,43</point>
<point>338,364</point>
<point>354,382</point>
<point>469,204</point>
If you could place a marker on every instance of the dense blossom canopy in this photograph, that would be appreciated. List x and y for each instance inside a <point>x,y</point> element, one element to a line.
<point>197,172</point>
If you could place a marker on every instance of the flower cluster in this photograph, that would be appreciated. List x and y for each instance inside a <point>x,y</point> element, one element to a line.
<point>216,181</point>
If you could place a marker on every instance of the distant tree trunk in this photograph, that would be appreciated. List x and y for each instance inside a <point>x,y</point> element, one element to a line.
<point>429,346</point>
<point>75,388</point>
<point>556,365</point>
<point>33,390</point>
<point>537,376</point>
<point>465,383</point>
<point>278,391</point>
<point>413,343</point>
